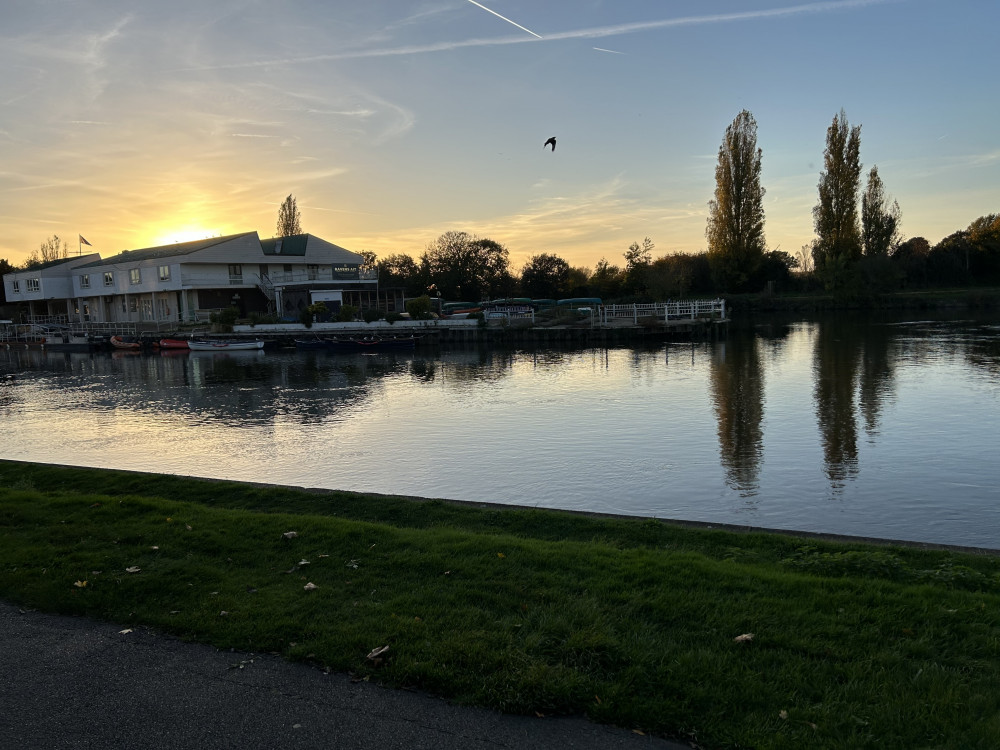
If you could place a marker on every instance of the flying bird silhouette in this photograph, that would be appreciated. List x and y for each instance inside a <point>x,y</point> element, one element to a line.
<point>552,141</point>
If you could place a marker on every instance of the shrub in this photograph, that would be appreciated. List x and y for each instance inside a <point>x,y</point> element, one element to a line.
<point>392,317</point>
<point>306,317</point>
<point>347,313</point>
<point>370,315</point>
<point>419,308</point>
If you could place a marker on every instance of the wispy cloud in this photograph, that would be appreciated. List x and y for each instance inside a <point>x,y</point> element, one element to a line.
<point>599,32</point>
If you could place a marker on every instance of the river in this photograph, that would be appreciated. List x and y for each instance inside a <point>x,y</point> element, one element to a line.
<point>857,425</point>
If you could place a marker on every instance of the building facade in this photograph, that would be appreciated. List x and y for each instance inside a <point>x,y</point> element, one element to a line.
<point>186,282</point>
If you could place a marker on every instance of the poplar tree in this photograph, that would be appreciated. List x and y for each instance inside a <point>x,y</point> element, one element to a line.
<point>879,219</point>
<point>735,229</point>
<point>289,219</point>
<point>838,236</point>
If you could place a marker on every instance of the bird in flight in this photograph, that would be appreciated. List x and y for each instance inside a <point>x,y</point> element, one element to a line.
<point>551,141</point>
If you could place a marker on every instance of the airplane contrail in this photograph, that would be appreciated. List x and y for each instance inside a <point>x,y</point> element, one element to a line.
<point>816,8</point>
<point>612,51</point>
<point>505,19</point>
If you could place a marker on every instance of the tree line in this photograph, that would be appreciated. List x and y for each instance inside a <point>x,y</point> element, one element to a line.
<point>858,249</point>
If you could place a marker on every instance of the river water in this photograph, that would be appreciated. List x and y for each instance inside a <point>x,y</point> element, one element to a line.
<point>849,425</point>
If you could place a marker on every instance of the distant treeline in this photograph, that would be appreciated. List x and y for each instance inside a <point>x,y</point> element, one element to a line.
<point>462,266</point>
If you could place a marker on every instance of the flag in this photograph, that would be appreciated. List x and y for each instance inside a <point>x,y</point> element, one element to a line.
<point>83,241</point>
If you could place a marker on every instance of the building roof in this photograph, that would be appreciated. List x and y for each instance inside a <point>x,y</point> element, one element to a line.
<point>47,264</point>
<point>294,244</point>
<point>164,251</point>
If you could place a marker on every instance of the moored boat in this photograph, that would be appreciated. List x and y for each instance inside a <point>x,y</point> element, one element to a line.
<point>123,342</point>
<point>174,344</point>
<point>223,346</point>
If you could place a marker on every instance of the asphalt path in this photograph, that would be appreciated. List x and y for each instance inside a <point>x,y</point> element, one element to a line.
<point>72,682</point>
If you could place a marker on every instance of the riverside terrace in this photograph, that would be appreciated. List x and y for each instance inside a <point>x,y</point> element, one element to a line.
<point>521,324</point>
<point>580,325</point>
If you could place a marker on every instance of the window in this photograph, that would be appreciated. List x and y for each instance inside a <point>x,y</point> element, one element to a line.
<point>16,288</point>
<point>133,304</point>
<point>235,273</point>
<point>312,272</point>
<point>164,273</point>
<point>85,281</point>
<point>109,278</point>
<point>135,276</point>
<point>33,285</point>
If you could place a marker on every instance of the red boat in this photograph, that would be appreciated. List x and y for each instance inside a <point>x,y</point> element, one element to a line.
<point>120,342</point>
<point>174,344</point>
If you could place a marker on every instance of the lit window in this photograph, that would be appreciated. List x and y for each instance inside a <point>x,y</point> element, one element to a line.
<point>33,285</point>
<point>16,286</point>
<point>135,276</point>
<point>109,278</point>
<point>164,273</point>
<point>85,281</point>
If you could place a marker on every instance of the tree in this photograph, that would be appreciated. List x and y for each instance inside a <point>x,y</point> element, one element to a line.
<point>369,260</point>
<point>838,242</point>
<point>545,276</point>
<point>879,219</point>
<point>464,266</point>
<point>735,229</point>
<point>400,270</point>
<point>5,268</point>
<point>52,249</point>
<point>607,280</point>
<point>910,260</point>
<point>289,219</point>
<point>638,259</point>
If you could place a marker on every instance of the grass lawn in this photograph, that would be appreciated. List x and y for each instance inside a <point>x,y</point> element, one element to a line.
<point>629,621</point>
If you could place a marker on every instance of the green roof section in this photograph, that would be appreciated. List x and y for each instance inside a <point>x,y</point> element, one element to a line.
<point>164,251</point>
<point>294,244</point>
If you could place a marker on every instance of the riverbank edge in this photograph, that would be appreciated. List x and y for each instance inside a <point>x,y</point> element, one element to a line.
<point>481,505</point>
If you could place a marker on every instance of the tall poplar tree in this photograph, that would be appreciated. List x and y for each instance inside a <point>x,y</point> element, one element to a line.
<point>879,219</point>
<point>838,235</point>
<point>735,229</point>
<point>289,219</point>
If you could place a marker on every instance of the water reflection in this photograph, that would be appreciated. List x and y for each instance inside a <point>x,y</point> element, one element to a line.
<point>897,417</point>
<point>737,383</point>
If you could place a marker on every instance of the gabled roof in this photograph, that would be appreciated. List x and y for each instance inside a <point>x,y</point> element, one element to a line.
<point>165,251</point>
<point>48,264</point>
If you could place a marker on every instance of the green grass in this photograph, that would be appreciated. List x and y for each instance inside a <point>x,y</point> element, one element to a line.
<point>630,622</point>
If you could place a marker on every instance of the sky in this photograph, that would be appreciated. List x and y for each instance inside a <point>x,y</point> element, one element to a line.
<point>136,123</point>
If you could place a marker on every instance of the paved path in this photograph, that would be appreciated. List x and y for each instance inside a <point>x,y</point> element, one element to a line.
<point>71,682</point>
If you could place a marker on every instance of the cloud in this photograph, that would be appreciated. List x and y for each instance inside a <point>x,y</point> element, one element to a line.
<point>599,32</point>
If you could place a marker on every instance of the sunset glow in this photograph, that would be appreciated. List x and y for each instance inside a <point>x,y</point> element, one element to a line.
<point>135,123</point>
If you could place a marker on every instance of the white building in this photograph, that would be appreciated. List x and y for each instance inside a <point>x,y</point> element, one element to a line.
<point>187,281</point>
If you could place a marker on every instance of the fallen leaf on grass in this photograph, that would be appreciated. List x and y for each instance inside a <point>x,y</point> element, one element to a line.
<point>745,638</point>
<point>223,613</point>
<point>310,587</point>
<point>290,534</point>
<point>375,653</point>
<point>501,555</point>
<point>638,731</point>
<point>126,631</point>
<point>303,562</point>
<point>133,569</point>
<point>782,714</point>
<point>80,584</point>
<point>352,564</point>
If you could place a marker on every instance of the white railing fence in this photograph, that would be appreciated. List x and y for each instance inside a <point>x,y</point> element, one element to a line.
<point>682,310</point>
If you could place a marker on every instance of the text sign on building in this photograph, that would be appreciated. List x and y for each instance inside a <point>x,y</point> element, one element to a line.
<point>346,272</point>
